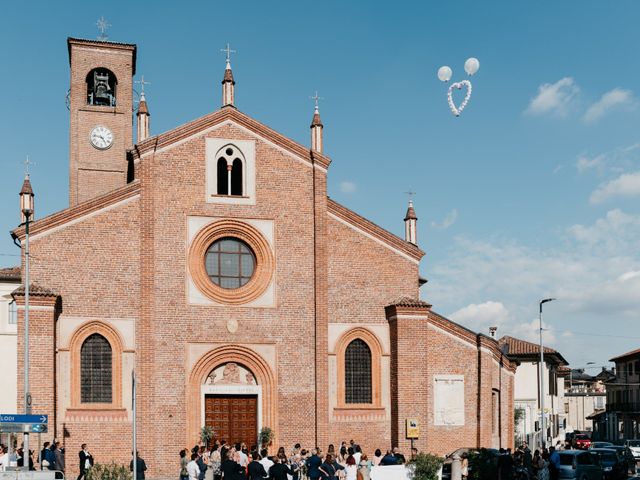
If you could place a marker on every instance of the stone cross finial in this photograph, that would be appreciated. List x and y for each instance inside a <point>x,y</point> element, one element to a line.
<point>103,25</point>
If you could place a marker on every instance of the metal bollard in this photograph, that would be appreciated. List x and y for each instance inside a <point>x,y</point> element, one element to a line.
<point>456,468</point>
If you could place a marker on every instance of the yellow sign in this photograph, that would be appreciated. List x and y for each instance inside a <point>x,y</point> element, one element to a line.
<point>413,430</point>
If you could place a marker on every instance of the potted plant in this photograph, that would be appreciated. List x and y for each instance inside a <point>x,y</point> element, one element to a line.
<point>206,435</point>
<point>266,437</point>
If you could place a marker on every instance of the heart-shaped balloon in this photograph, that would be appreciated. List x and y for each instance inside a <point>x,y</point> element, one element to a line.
<point>458,85</point>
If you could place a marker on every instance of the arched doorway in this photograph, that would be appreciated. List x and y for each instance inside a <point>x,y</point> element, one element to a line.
<point>233,387</point>
<point>231,400</point>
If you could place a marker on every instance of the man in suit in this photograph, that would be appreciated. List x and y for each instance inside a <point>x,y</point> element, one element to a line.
<point>256,469</point>
<point>141,467</point>
<point>86,460</point>
<point>313,465</point>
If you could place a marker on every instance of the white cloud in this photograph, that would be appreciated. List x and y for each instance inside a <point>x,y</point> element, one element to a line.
<point>449,220</point>
<point>585,163</point>
<point>626,185</point>
<point>593,271</point>
<point>348,187</point>
<point>531,332</point>
<point>479,317</point>
<point>554,98</point>
<point>609,101</point>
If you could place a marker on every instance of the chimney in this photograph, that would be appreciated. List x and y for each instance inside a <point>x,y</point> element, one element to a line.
<point>492,332</point>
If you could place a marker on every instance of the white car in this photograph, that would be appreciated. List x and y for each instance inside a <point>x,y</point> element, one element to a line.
<point>634,446</point>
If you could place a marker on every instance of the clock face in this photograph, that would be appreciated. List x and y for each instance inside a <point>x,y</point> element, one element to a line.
<point>101,137</point>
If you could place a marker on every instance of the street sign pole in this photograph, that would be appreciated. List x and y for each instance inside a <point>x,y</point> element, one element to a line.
<point>133,408</point>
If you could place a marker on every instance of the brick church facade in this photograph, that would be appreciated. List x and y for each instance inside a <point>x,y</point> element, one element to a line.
<point>210,260</point>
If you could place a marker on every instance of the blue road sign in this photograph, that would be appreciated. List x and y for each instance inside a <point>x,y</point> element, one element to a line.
<point>18,418</point>
<point>20,427</point>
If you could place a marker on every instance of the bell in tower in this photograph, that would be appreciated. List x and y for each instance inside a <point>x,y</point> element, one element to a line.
<point>101,85</point>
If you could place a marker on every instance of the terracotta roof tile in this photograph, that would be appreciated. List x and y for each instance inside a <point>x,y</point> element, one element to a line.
<point>632,353</point>
<point>406,301</point>
<point>36,291</point>
<point>521,348</point>
<point>10,274</point>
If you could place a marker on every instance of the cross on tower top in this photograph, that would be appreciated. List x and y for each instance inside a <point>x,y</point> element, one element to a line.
<point>315,98</point>
<point>27,162</point>
<point>142,83</point>
<point>411,194</point>
<point>103,25</point>
<point>228,52</point>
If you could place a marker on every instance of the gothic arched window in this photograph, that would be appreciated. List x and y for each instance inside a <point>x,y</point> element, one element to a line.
<point>96,370</point>
<point>236,177</point>
<point>101,87</point>
<point>357,372</point>
<point>230,182</point>
<point>223,180</point>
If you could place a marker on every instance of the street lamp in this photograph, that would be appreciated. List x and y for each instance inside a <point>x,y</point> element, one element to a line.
<point>26,211</point>
<point>542,419</point>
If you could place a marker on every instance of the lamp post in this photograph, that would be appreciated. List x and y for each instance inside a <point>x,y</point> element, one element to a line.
<point>541,368</point>
<point>26,210</point>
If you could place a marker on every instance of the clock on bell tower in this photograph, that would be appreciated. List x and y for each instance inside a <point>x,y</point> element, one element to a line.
<point>101,116</point>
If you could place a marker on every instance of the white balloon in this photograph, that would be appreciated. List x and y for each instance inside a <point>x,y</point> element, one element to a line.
<point>444,73</point>
<point>471,66</point>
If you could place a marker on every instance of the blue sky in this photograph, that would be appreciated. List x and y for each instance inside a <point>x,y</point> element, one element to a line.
<point>532,192</point>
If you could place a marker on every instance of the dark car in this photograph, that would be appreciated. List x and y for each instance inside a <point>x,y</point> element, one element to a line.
<point>475,455</point>
<point>613,466</point>
<point>626,456</point>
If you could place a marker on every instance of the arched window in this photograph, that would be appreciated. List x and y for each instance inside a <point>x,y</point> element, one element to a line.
<point>236,177</point>
<point>96,370</point>
<point>357,372</point>
<point>230,183</point>
<point>101,87</point>
<point>223,180</point>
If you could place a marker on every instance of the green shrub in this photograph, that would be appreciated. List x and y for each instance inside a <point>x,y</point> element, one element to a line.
<point>100,471</point>
<point>425,466</point>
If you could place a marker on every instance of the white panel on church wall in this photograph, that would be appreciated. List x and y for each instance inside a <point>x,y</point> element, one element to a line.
<point>448,400</point>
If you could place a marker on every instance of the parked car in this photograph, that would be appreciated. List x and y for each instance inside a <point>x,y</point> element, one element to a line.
<point>601,445</point>
<point>490,455</point>
<point>580,465</point>
<point>613,466</point>
<point>582,441</point>
<point>626,456</point>
<point>634,446</point>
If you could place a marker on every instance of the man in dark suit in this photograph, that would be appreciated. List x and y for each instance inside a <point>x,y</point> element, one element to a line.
<point>313,465</point>
<point>141,467</point>
<point>280,470</point>
<point>255,468</point>
<point>86,461</point>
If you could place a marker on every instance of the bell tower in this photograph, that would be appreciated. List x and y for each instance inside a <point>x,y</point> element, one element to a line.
<point>101,116</point>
